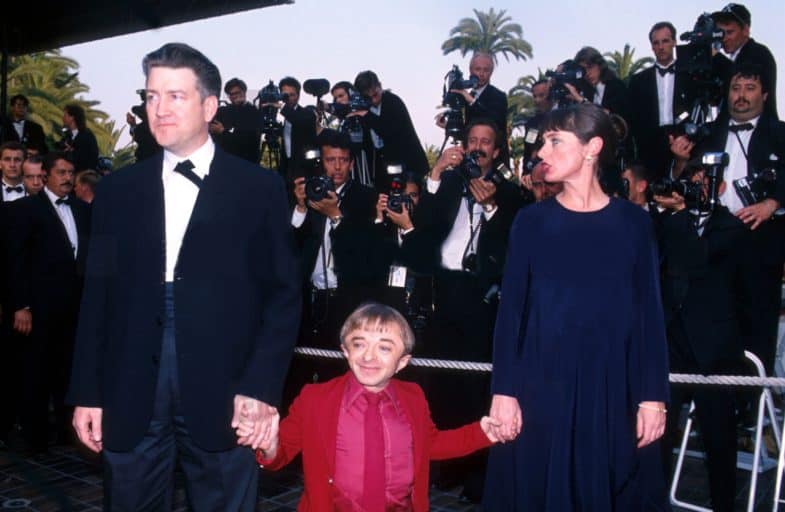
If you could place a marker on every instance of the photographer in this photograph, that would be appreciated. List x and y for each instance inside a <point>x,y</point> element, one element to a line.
<point>606,90</point>
<point>755,143</point>
<point>299,129</point>
<point>79,141</point>
<point>237,126</point>
<point>21,129</point>
<point>345,101</point>
<point>704,300</point>
<point>393,138</point>
<point>740,49</point>
<point>146,146</point>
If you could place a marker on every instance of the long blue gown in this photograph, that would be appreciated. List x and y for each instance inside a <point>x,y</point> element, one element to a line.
<point>579,342</point>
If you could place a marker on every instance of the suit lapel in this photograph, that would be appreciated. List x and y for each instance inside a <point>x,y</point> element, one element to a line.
<point>417,426</point>
<point>150,190</point>
<point>50,208</point>
<point>330,408</point>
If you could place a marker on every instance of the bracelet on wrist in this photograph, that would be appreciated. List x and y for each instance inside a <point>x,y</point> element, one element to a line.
<point>653,408</point>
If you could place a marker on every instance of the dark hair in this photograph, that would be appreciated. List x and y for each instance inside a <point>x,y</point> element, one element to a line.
<point>51,159</point>
<point>661,25</point>
<point>589,55</point>
<point>344,84</point>
<point>289,81</point>
<point>638,170</point>
<point>34,159</point>
<point>365,81</point>
<point>544,81</point>
<point>235,82</point>
<point>19,97</point>
<point>11,145</point>
<point>179,55</point>
<point>334,139</point>
<point>88,177</point>
<point>483,121</point>
<point>751,71</point>
<point>77,113</point>
<point>585,121</point>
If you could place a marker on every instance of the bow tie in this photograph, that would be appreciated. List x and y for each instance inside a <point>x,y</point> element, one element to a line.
<point>63,200</point>
<point>17,189</point>
<point>186,169</point>
<point>736,128</point>
<point>665,71</point>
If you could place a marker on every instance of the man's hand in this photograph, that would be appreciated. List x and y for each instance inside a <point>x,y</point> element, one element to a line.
<point>250,411</point>
<point>505,410</point>
<point>487,424</point>
<point>675,202</point>
<point>651,422</point>
<point>87,423</point>
<point>466,96</point>
<point>216,127</point>
<point>130,119</point>
<point>441,120</point>
<point>483,191</point>
<point>381,206</point>
<point>23,321</point>
<point>574,94</point>
<point>681,147</point>
<point>451,157</point>
<point>299,194</point>
<point>758,213</point>
<point>327,206</point>
<point>403,220</point>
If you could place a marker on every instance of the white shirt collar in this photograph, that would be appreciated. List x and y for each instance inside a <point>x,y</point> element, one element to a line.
<point>74,132</point>
<point>201,158</point>
<point>52,196</point>
<point>753,122</point>
<point>665,67</point>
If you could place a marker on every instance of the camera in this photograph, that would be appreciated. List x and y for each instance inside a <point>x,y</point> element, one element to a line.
<point>469,168</point>
<point>317,187</point>
<point>695,57</point>
<point>352,126</point>
<point>397,199</point>
<point>695,132</point>
<point>501,174</point>
<point>271,128</point>
<point>455,102</point>
<point>757,187</point>
<point>571,73</point>
<point>530,164</point>
<point>691,192</point>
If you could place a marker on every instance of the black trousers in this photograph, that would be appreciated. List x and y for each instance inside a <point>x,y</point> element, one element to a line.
<point>143,478</point>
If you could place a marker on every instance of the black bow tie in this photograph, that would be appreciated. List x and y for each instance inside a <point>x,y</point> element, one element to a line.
<point>186,169</point>
<point>736,128</point>
<point>63,200</point>
<point>17,188</point>
<point>665,71</point>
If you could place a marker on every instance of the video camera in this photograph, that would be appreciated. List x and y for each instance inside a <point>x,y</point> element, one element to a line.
<point>695,57</point>
<point>455,102</point>
<point>265,101</point>
<point>352,126</point>
<point>683,125</point>
<point>570,73</point>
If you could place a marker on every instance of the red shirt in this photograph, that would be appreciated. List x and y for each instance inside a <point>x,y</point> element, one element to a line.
<point>350,457</point>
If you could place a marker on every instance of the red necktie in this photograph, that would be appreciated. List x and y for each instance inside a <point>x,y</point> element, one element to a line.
<point>373,478</point>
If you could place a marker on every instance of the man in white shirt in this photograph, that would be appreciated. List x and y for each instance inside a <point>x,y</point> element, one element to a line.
<point>12,155</point>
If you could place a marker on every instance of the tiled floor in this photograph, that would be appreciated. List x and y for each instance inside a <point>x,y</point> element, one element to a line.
<point>68,479</point>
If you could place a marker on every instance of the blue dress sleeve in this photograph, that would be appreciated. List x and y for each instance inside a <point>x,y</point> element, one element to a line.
<point>510,318</point>
<point>649,348</point>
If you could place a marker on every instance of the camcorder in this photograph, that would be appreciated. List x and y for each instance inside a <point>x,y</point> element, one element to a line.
<point>265,101</point>
<point>695,57</point>
<point>570,73</point>
<point>683,125</point>
<point>351,126</point>
<point>397,198</point>
<point>455,102</point>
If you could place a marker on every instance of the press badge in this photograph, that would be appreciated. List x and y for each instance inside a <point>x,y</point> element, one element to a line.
<point>397,277</point>
<point>531,136</point>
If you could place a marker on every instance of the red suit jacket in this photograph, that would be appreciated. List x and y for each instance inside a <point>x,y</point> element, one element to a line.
<point>312,424</point>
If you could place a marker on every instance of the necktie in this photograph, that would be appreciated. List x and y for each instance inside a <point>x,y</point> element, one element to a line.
<point>373,499</point>
<point>63,200</point>
<point>736,128</point>
<point>17,189</point>
<point>186,169</point>
<point>665,71</point>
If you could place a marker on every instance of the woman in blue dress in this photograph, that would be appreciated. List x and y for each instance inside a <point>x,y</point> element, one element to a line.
<point>580,371</point>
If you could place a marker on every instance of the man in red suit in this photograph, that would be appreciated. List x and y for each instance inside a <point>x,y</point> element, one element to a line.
<point>366,438</point>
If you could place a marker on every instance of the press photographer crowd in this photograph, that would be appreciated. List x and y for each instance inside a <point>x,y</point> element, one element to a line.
<point>696,144</point>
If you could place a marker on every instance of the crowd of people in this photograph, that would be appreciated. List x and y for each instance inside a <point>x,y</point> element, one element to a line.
<point>641,231</point>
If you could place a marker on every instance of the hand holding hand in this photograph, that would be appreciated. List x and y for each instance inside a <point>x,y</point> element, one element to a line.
<point>487,424</point>
<point>251,411</point>
<point>505,409</point>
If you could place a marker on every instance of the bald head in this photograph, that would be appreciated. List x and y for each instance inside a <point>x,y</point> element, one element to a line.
<point>481,66</point>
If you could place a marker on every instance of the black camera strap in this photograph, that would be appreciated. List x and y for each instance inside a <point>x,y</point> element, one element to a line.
<point>741,145</point>
<point>473,230</point>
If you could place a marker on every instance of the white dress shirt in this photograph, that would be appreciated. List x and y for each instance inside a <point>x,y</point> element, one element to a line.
<point>378,143</point>
<point>19,126</point>
<point>665,86</point>
<point>732,56</point>
<point>599,93</point>
<point>67,218</point>
<point>287,135</point>
<point>318,274</point>
<point>737,165</point>
<point>13,195</point>
<point>180,197</point>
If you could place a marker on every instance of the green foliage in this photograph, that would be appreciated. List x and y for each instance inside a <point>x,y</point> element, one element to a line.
<point>624,63</point>
<point>492,32</point>
<point>432,154</point>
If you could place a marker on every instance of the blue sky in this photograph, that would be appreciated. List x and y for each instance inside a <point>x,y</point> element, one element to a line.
<point>400,40</point>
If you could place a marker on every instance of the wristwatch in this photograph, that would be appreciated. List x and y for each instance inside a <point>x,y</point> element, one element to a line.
<point>335,220</point>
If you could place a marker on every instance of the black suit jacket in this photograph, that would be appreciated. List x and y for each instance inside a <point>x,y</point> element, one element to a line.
<point>235,289</point>
<point>644,116</point>
<point>492,104</point>
<point>303,123</point>
<point>703,286</point>
<point>614,99</point>
<point>242,131</point>
<point>349,240</point>
<point>44,273</point>
<point>751,52</point>
<point>32,135</point>
<point>85,150</point>
<point>401,143</point>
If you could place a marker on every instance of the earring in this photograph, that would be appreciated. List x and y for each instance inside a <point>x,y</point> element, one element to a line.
<point>589,158</point>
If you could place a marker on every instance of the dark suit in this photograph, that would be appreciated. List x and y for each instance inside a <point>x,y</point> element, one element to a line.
<point>644,117</point>
<point>705,292</point>
<point>242,131</point>
<point>401,143</point>
<point>614,99</point>
<point>303,123</point>
<point>492,104</point>
<point>751,52</point>
<point>45,276</point>
<point>85,150</point>
<point>32,135</point>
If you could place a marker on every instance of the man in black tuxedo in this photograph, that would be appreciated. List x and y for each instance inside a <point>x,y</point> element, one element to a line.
<point>237,127</point>
<point>48,237</point>
<point>299,129</point>
<point>754,141</point>
<point>20,129</point>
<point>740,49</point>
<point>79,140</point>
<point>393,138</point>
<point>659,95</point>
<point>705,295</point>
<point>190,306</point>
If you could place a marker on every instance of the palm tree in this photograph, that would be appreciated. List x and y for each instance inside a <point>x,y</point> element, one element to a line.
<point>492,32</point>
<point>624,64</point>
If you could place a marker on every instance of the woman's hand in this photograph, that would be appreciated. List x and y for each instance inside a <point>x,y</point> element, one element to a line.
<point>651,422</point>
<point>505,410</point>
